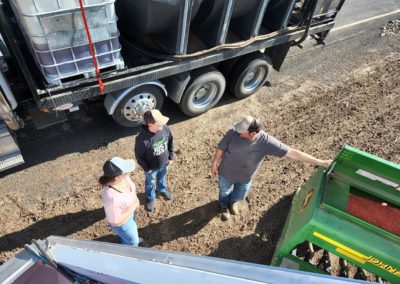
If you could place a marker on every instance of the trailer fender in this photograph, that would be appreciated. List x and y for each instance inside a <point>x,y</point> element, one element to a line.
<point>176,85</point>
<point>113,99</point>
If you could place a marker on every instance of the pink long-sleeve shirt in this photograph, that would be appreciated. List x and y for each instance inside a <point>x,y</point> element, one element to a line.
<point>116,203</point>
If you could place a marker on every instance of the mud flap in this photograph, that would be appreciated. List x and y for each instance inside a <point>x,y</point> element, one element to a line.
<point>278,54</point>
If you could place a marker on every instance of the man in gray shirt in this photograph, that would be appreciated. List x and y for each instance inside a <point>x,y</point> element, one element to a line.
<point>240,153</point>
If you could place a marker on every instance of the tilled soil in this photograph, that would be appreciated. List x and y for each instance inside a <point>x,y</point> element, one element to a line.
<point>363,112</point>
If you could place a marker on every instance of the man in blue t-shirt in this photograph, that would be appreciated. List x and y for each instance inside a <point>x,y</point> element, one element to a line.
<point>240,153</point>
<point>154,151</point>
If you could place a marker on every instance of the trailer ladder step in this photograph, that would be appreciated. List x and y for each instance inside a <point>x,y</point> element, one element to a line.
<point>10,155</point>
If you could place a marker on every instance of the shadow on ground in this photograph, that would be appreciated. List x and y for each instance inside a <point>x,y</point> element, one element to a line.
<point>88,129</point>
<point>258,247</point>
<point>186,224</point>
<point>62,225</point>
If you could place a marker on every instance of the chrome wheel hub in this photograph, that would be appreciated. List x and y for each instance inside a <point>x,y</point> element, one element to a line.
<point>138,105</point>
<point>204,95</point>
<point>254,78</point>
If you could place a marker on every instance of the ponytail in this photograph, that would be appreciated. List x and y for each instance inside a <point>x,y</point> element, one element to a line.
<point>103,180</point>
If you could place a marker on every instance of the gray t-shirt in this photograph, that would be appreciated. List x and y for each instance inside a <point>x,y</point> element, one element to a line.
<point>242,156</point>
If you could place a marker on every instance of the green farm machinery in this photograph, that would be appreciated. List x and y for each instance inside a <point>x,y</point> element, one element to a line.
<point>348,214</point>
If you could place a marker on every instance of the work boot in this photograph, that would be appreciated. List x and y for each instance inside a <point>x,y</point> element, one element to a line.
<point>167,195</point>
<point>150,205</point>
<point>225,214</point>
<point>234,208</point>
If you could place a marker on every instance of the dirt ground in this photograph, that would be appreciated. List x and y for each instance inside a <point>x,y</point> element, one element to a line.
<point>363,111</point>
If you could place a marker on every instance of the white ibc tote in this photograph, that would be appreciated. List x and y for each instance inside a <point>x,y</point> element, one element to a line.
<point>56,34</point>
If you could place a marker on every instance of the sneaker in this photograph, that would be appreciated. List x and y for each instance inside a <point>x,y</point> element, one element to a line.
<point>234,208</point>
<point>225,214</point>
<point>167,195</point>
<point>150,205</point>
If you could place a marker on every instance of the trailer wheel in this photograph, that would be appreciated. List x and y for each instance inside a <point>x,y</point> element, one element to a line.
<point>205,89</point>
<point>249,75</point>
<point>130,110</point>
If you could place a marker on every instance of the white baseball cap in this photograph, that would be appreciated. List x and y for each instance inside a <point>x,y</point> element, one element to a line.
<point>118,166</point>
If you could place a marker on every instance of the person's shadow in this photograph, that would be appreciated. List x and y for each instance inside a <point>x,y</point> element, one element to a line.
<point>62,225</point>
<point>184,225</point>
<point>258,247</point>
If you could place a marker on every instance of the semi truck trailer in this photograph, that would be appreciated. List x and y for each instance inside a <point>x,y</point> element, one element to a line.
<point>135,54</point>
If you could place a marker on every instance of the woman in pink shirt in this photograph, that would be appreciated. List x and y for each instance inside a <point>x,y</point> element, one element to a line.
<point>120,200</point>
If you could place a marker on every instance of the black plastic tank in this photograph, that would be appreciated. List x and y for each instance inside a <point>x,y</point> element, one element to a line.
<point>242,7</point>
<point>209,10</point>
<point>165,21</point>
<point>214,16</point>
<point>278,14</point>
<point>148,17</point>
<point>169,24</point>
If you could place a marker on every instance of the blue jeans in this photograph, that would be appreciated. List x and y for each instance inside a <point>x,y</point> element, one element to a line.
<point>231,192</point>
<point>154,177</point>
<point>128,232</point>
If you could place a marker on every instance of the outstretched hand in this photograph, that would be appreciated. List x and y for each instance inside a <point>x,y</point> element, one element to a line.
<point>325,163</point>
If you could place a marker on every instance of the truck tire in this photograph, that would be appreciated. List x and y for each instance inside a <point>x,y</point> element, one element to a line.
<point>249,75</point>
<point>205,89</point>
<point>130,110</point>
